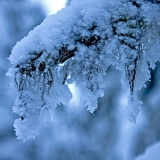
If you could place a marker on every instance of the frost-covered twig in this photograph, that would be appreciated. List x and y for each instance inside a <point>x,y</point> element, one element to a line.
<point>77,45</point>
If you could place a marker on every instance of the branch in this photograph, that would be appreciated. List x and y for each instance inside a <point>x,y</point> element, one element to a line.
<point>77,45</point>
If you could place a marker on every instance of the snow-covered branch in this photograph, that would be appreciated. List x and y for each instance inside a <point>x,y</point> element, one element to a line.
<point>77,45</point>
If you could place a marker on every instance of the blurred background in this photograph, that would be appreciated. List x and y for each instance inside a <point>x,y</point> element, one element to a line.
<point>75,134</point>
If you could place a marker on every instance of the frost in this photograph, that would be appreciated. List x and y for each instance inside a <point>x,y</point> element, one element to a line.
<point>77,45</point>
<point>133,108</point>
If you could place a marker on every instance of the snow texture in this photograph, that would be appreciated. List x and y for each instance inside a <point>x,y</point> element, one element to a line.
<point>77,45</point>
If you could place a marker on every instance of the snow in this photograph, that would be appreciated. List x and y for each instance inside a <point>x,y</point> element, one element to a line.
<point>77,45</point>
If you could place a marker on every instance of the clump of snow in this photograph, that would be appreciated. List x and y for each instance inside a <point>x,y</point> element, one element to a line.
<point>76,46</point>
